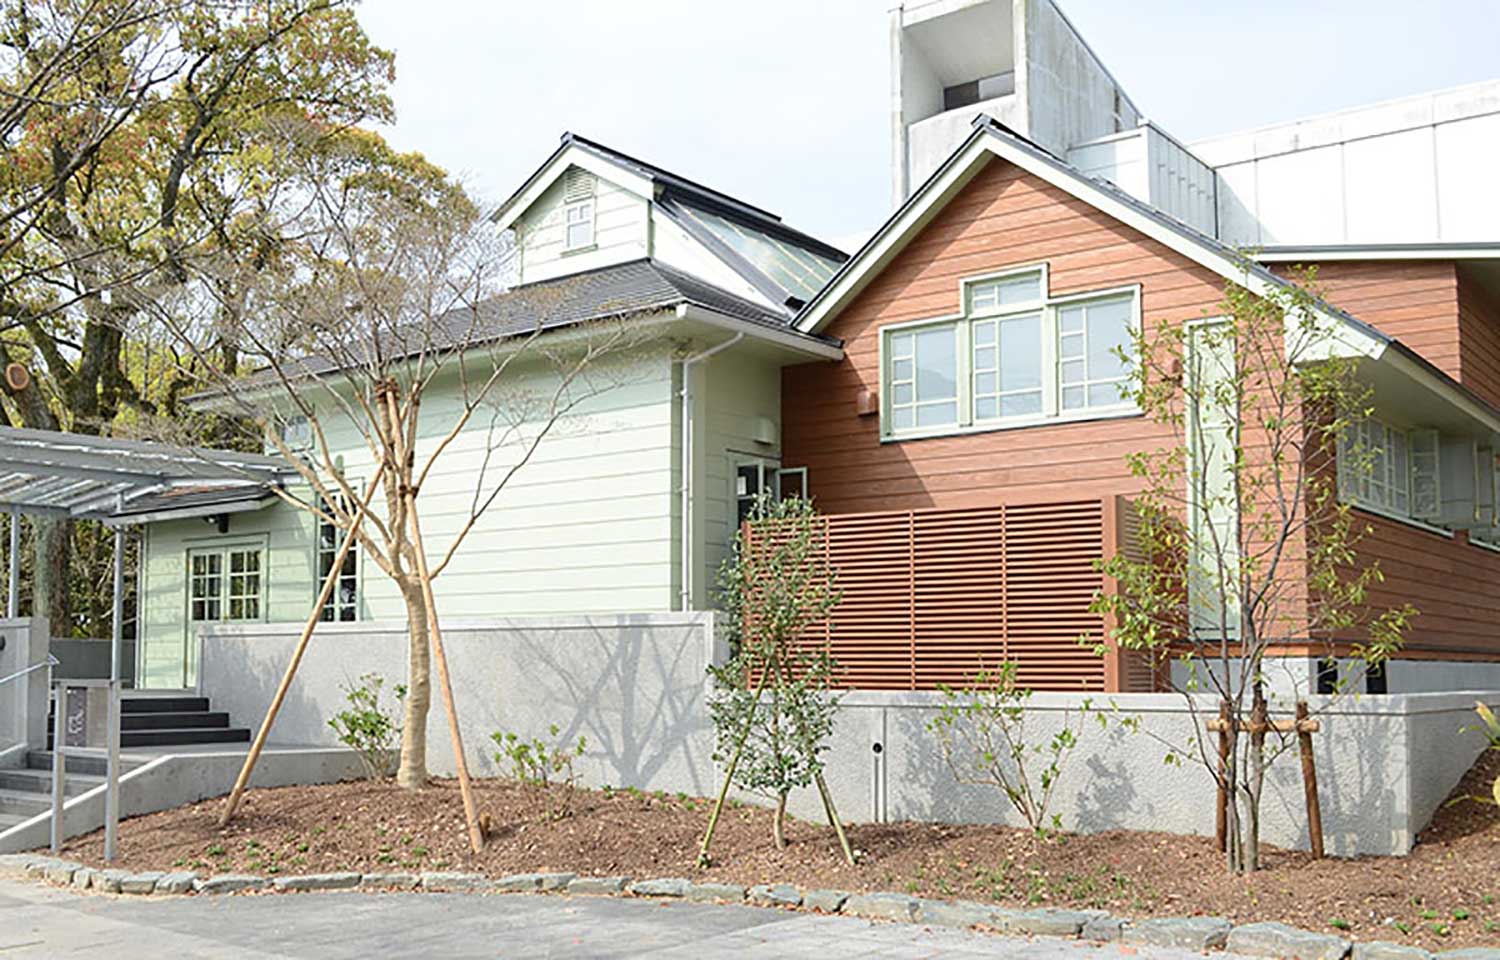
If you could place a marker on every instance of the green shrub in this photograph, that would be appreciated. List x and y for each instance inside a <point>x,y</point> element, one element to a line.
<point>367,728</point>
<point>531,761</point>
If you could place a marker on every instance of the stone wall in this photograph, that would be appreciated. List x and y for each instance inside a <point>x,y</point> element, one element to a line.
<point>634,686</point>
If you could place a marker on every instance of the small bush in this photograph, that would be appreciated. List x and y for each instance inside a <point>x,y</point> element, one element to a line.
<point>532,762</point>
<point>982,730</point>
<point>367,728</point>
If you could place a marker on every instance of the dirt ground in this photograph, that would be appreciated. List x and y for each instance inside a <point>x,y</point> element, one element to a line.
<point>1442,896</point>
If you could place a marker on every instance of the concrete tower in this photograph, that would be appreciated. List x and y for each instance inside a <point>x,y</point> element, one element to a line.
<point>1019,61</point>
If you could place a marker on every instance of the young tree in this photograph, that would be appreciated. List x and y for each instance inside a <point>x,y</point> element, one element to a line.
<point>1244,543</point>
<point>773,705</point>
<point>387,300</point>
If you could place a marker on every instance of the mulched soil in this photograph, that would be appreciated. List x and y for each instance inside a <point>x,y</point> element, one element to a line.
<point>1442,896</point>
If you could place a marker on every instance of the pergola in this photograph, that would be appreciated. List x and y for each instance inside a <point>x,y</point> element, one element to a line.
<point>66,475</point>
<point>69,475</point>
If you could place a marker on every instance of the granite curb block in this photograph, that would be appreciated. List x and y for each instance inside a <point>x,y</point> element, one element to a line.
<point>230,883</point>
<point>1268,939</point>
<point>318,881</point>
<point>775,895</point>
<point>828,901</point>
<point>1273,939</point>
<point>661,887</point>
<point>714,893</point>
<point>599,886</point>
<point>1185,933</point>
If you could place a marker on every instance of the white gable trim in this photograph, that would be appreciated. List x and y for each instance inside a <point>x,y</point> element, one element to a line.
<point>961,167</point>
<point>572,155</point>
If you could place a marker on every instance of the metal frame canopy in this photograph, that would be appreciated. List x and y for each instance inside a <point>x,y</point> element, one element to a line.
<point>96,478</point>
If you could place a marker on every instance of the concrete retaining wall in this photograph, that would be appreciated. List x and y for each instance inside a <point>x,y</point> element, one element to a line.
<point>634,686</point>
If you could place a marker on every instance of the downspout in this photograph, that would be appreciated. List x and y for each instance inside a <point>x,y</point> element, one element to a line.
<point>685,601</point>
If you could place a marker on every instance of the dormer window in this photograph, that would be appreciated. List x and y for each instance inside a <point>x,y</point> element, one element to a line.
<point>579,188</point>
<point>578,225</point>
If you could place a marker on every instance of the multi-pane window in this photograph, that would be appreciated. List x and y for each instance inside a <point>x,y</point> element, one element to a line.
<point>244,584</point>
<point>1374,467</point>
<point>1007,374</point>
<point>924,377</point>
<point>1014,356</point>
<point>1090,370</point>
<point>226,584</point>
<point>578,225</point>
<point>205,585</point>
<point>343,603</point>
<point>754,477</point>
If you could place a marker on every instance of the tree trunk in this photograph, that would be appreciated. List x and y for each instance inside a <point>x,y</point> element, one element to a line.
<point>412,771</point>
<point>778,823</point>
<point>49,586</point>
<point>1259,717</point>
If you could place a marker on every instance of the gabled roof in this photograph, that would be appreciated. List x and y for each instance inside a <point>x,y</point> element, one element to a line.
<point>991,139</point>
<point>784,264</point>
<point>611,292</point>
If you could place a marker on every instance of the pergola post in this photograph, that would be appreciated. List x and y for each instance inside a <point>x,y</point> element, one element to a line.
<point>13,593</point>
<point>112,723</point>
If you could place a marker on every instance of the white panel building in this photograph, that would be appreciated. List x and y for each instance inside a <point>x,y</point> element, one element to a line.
<point>1414,171</point>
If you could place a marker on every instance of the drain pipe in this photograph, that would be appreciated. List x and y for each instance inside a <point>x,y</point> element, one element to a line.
<point>685,602</point>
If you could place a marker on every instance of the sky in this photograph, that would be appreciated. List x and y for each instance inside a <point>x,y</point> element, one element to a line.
<point>785,103</point>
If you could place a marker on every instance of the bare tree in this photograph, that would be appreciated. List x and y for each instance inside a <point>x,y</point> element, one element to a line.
<point>387,300</point>
<point>1245,545</point>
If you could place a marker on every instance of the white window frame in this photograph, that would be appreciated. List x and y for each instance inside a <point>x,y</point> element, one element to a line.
<point>333,604</point>
<point>963,323</point>
<point>1378,494</point>
<point>587,217</point>
<point>770,475</point>
<point>225,597</point>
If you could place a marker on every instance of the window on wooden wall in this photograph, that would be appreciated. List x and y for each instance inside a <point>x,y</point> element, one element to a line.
<point>1012,357</point>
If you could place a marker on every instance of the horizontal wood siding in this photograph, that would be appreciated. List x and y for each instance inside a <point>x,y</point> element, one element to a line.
<point>1416,302</point>
<point>1451,582</point>
<point>932,597</point>
<point>1003,218</point>
<point>1479,339</point>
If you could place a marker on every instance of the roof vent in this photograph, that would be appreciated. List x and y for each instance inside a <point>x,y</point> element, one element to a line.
<point>578,184</point>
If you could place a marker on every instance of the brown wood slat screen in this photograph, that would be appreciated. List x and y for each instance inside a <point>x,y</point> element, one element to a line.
<point>929,596</point>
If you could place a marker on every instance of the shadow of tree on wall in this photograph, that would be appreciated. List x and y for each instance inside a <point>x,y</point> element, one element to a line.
<point>634,691</point>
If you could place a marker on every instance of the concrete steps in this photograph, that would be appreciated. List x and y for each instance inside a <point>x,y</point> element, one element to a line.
<point>171,721</point>
<point>145,722</point>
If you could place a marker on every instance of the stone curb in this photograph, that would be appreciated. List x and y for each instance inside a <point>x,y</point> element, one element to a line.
<point>1261,939</point>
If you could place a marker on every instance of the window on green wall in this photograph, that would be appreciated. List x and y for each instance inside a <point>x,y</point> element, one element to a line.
<point>343,603</point>
<point>226,583</point>
<point>1012,357</point>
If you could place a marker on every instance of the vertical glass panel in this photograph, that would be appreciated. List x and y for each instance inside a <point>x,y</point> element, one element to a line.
<point>937,362</point>
<point>1070,319</point>
<point>1072,398</point>
<point>1021,353</point>
<point>1108,329</point>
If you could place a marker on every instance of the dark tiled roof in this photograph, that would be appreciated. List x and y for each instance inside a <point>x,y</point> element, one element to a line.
<point>617,291</point>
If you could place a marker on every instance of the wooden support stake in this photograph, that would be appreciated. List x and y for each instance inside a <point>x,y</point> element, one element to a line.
<point>1221,802</point>
<point>1279,726</point>
<point>1305,728</point>
<point>240,783</point>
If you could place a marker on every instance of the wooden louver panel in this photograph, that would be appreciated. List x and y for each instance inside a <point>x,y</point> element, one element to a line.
<point>932,596</point>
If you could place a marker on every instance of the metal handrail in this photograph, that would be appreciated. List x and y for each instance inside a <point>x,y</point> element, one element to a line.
<point>51,661</point>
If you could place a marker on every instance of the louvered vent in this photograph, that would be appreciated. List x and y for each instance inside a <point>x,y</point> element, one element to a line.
<point>930,597</point>
<point>578,184</point>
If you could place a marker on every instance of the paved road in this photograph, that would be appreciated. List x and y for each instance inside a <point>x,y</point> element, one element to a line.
<point>38,921</point>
